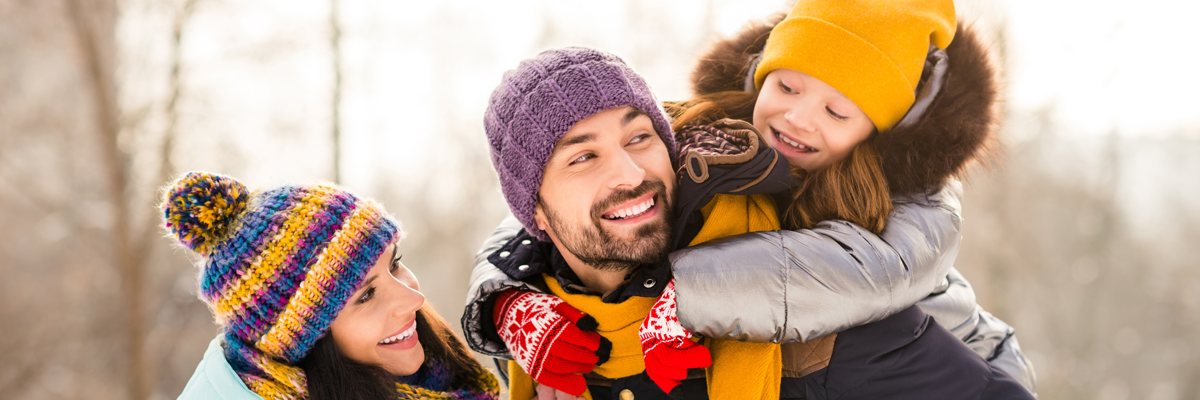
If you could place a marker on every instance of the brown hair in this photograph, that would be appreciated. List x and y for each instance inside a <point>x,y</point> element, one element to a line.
<point>853,188</point>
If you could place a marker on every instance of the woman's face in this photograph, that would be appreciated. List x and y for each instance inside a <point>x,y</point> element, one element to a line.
<point>378,325</point>
<point>809,122</point>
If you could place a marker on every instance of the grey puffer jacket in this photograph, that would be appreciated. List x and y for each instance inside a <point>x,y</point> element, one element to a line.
<point>794,285</point>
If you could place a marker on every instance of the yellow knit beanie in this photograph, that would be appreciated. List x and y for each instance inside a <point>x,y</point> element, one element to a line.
<point>870,50</point>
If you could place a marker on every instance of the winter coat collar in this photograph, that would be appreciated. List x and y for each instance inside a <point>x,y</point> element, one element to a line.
<point>957,128</point>
<point>215,379</point>
<point>725,157</point>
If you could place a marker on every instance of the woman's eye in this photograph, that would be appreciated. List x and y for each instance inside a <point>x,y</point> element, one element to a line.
<point>582,158</point>
<point>786,88</point>
<point>835,115</point>
<point>640,138</point>
<point>367,295</point>
<point>396,264</point>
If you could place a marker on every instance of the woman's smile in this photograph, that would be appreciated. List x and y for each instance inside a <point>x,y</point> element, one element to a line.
<point>404,339</point>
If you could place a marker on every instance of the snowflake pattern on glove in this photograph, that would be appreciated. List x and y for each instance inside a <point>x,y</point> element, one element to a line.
<point>662,324</point>
<point>530,325</point>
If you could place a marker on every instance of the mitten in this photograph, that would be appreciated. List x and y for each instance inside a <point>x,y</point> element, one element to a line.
<point>666,346</point>
<point>553,342</point>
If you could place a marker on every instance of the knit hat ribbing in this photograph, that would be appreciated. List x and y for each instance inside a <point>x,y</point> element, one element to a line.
<point>871,51</point>
<point>539,101</point>
<point>278,265</point>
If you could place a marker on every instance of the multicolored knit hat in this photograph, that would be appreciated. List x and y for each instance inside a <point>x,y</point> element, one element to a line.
<point>537,103</point>
<point>278,266</point>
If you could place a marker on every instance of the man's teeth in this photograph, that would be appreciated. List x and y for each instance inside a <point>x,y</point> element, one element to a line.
<point>402,336</point>
<point>631,211</point>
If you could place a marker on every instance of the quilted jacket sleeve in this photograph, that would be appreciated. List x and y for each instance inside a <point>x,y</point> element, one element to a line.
<point>788,286</point>
<point>487,281</point>
<point>955,309</point>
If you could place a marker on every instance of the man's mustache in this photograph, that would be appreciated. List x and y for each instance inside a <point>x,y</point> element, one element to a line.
<point>615,199</point>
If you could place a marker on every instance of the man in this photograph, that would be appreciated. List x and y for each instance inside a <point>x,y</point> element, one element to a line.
<point>585,159</point>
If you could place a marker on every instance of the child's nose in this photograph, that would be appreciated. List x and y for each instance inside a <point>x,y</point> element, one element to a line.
<point>800,118</point>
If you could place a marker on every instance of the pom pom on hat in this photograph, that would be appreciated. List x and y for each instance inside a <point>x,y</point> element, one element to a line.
<point>200,207</point>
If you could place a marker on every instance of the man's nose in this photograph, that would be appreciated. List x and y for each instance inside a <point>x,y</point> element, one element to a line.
<point>626,171</point>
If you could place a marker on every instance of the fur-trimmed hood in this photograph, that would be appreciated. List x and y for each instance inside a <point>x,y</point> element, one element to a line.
<point>957,128</point>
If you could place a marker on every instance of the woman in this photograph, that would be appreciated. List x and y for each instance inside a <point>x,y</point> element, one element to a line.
<point>307,285</point>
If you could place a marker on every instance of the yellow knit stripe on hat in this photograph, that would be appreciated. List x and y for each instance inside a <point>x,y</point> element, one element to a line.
<point>872,51</point>
<point>279,250</point>
<point>326,269</point>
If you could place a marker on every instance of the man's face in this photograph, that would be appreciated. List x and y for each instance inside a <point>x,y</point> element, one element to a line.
<point>607,191</point>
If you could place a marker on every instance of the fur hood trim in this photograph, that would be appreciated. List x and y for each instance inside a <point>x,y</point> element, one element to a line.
<point>957,128</point>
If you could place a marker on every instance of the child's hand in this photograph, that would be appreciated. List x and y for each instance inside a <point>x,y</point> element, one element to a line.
<point>666,346</point>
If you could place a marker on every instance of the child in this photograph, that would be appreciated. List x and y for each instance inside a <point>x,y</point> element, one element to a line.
<point>833,92</point>
<point>307,284</point>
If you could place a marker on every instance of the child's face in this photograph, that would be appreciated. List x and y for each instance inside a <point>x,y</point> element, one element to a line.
<point>378,325</point>
<point>809,122</point>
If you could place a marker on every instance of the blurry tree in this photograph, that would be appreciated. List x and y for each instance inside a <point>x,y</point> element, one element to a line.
<point>335,29</point>
<point>94,179</point>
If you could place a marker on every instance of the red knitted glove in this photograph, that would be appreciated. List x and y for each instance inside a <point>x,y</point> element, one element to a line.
<point>549,339</point>
<point>666,346</point>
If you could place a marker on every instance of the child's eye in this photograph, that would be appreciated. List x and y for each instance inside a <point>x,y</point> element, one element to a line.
<point>835,115</point>
<point>786,88</point>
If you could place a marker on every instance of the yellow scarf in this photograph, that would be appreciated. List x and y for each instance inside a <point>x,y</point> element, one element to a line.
<point>617,322</point>
<point>740,370</point>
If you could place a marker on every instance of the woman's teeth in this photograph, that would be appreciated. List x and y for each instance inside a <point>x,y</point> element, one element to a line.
<point>631,211</point>
<point>799,147</point>
<point>402,336</point>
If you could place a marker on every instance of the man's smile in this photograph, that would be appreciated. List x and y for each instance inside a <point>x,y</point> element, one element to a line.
<point>635,210</point>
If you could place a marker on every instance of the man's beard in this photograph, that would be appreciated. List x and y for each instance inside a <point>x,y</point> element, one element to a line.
<point>600,249</point>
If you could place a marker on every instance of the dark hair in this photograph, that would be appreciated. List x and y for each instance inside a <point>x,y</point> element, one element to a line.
<point>332,375</point>
<point>853,188</point>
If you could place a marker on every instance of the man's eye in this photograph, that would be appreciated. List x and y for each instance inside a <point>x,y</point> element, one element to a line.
<point>582,158</point>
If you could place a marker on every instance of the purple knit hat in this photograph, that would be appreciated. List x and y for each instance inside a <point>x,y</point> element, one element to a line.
<point>537,103</point>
